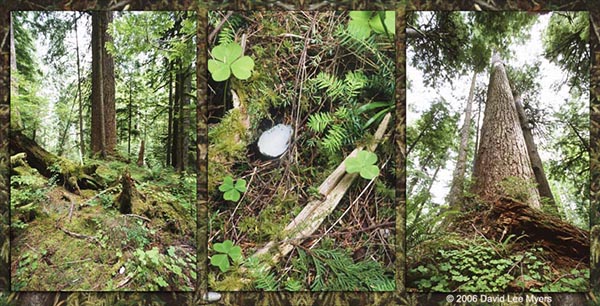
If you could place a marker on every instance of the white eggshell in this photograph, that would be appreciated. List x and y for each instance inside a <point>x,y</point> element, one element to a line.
<point>275,140</point>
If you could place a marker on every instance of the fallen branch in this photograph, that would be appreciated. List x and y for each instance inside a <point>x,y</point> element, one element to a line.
<point>79,236</point>
<point>313,214</point>
<point>98,194</point>
<point>137,216</point>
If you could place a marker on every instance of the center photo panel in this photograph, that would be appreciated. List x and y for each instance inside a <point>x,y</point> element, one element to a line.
<point>301,158</point>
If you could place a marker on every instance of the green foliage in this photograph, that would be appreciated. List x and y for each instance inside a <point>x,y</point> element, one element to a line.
<point>363,22</point>
<point>382,107</point>
<point>227,32</point>
<point>474,35</point>
<point>231,191</point>
<point>226,250</point>
<point>342,126</point>
<point>153,270</point>
<point>517,188</point>
<point>364,163</point>
<point>227,60</point>
<point>318,122</point>
<point>335,270</point>
<point>486,266</point>
<point>566,43</point>
<point>570,166</point>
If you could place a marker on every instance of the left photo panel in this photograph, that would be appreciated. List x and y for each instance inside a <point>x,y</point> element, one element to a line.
<point>102,144</point>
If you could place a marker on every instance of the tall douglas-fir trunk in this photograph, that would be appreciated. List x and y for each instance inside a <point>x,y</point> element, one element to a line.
<point>502,152</point>
<point>536,162</point>
<point>458,177</point>
<point>104,126</point>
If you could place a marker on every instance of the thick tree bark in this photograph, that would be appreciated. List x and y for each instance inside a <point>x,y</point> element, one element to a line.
<point>502,152</point>
<point>104,129</point>
<point>534,157</point>
<point>458,177</point>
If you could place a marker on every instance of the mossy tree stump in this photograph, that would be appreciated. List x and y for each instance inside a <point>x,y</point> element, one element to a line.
<point>128,192</point>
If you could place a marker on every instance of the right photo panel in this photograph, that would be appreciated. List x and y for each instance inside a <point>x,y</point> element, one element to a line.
<point>497,140</point>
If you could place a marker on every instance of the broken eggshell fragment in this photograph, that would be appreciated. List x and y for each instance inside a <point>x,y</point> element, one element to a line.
<point>274,141</point>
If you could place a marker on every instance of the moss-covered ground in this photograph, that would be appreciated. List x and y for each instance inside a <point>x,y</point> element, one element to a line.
<point>71,242</point>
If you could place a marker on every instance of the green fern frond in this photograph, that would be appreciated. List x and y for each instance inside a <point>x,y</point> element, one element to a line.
<point>227,33</point>
<point>334,87</point>
<point>355,82</point>
<point>336,270</point>
<point>318,122</point>
<point>335,138</point>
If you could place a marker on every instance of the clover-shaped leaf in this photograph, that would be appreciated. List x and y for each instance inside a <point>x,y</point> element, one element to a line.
<point>364,163</point>
<point>363,22</point>
<point>221,261</point>
<point>387,18</point>
<point>358,26</point>
<point>227,250</point>
<point>231,191</point>
<point>228,59</point>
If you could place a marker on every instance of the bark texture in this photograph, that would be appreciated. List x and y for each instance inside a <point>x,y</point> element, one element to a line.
<point>125,198</point>
<point>103,87</point>
<point>502,153</point>
<point>534,157</point>
<point>458,177</point>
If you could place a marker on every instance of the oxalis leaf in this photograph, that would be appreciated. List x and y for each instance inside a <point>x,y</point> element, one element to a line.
<point>231,191</point>
<point>221,261</point>
<point>228,59</point>
<point>363,163</point>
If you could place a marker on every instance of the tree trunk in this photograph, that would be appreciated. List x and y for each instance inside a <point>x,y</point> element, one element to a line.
<point>104,133</point>
<point>140,160</point>
<point>185,119</point>
<point>15,118</point>
<point>455,195</point>
<point>80,110</point>
<point>477,134</point>
<point>176,117</point>
<point>502,153</point>
<point>556,236</point>
<point>48,164</point>
<point>129,108</point>
<point>536,162</point>
<point>125,198</point>
<point>170,118</point>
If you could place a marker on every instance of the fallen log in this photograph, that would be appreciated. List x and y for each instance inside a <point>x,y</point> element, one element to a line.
<point>559,237</point>
<point>47,164</point>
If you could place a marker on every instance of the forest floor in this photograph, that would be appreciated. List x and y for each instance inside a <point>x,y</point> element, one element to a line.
<point>507,247</point>
<point>67,241</point>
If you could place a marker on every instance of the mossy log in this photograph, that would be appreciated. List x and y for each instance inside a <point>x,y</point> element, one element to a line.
<point>47,164</point>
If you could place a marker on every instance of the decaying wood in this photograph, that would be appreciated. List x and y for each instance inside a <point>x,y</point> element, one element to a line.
<point>313,214</point>
<point>77,235</point>
<point>128,192</point>
<point>541,229</point>
<point>48,164</point>
<point>137,216</point>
